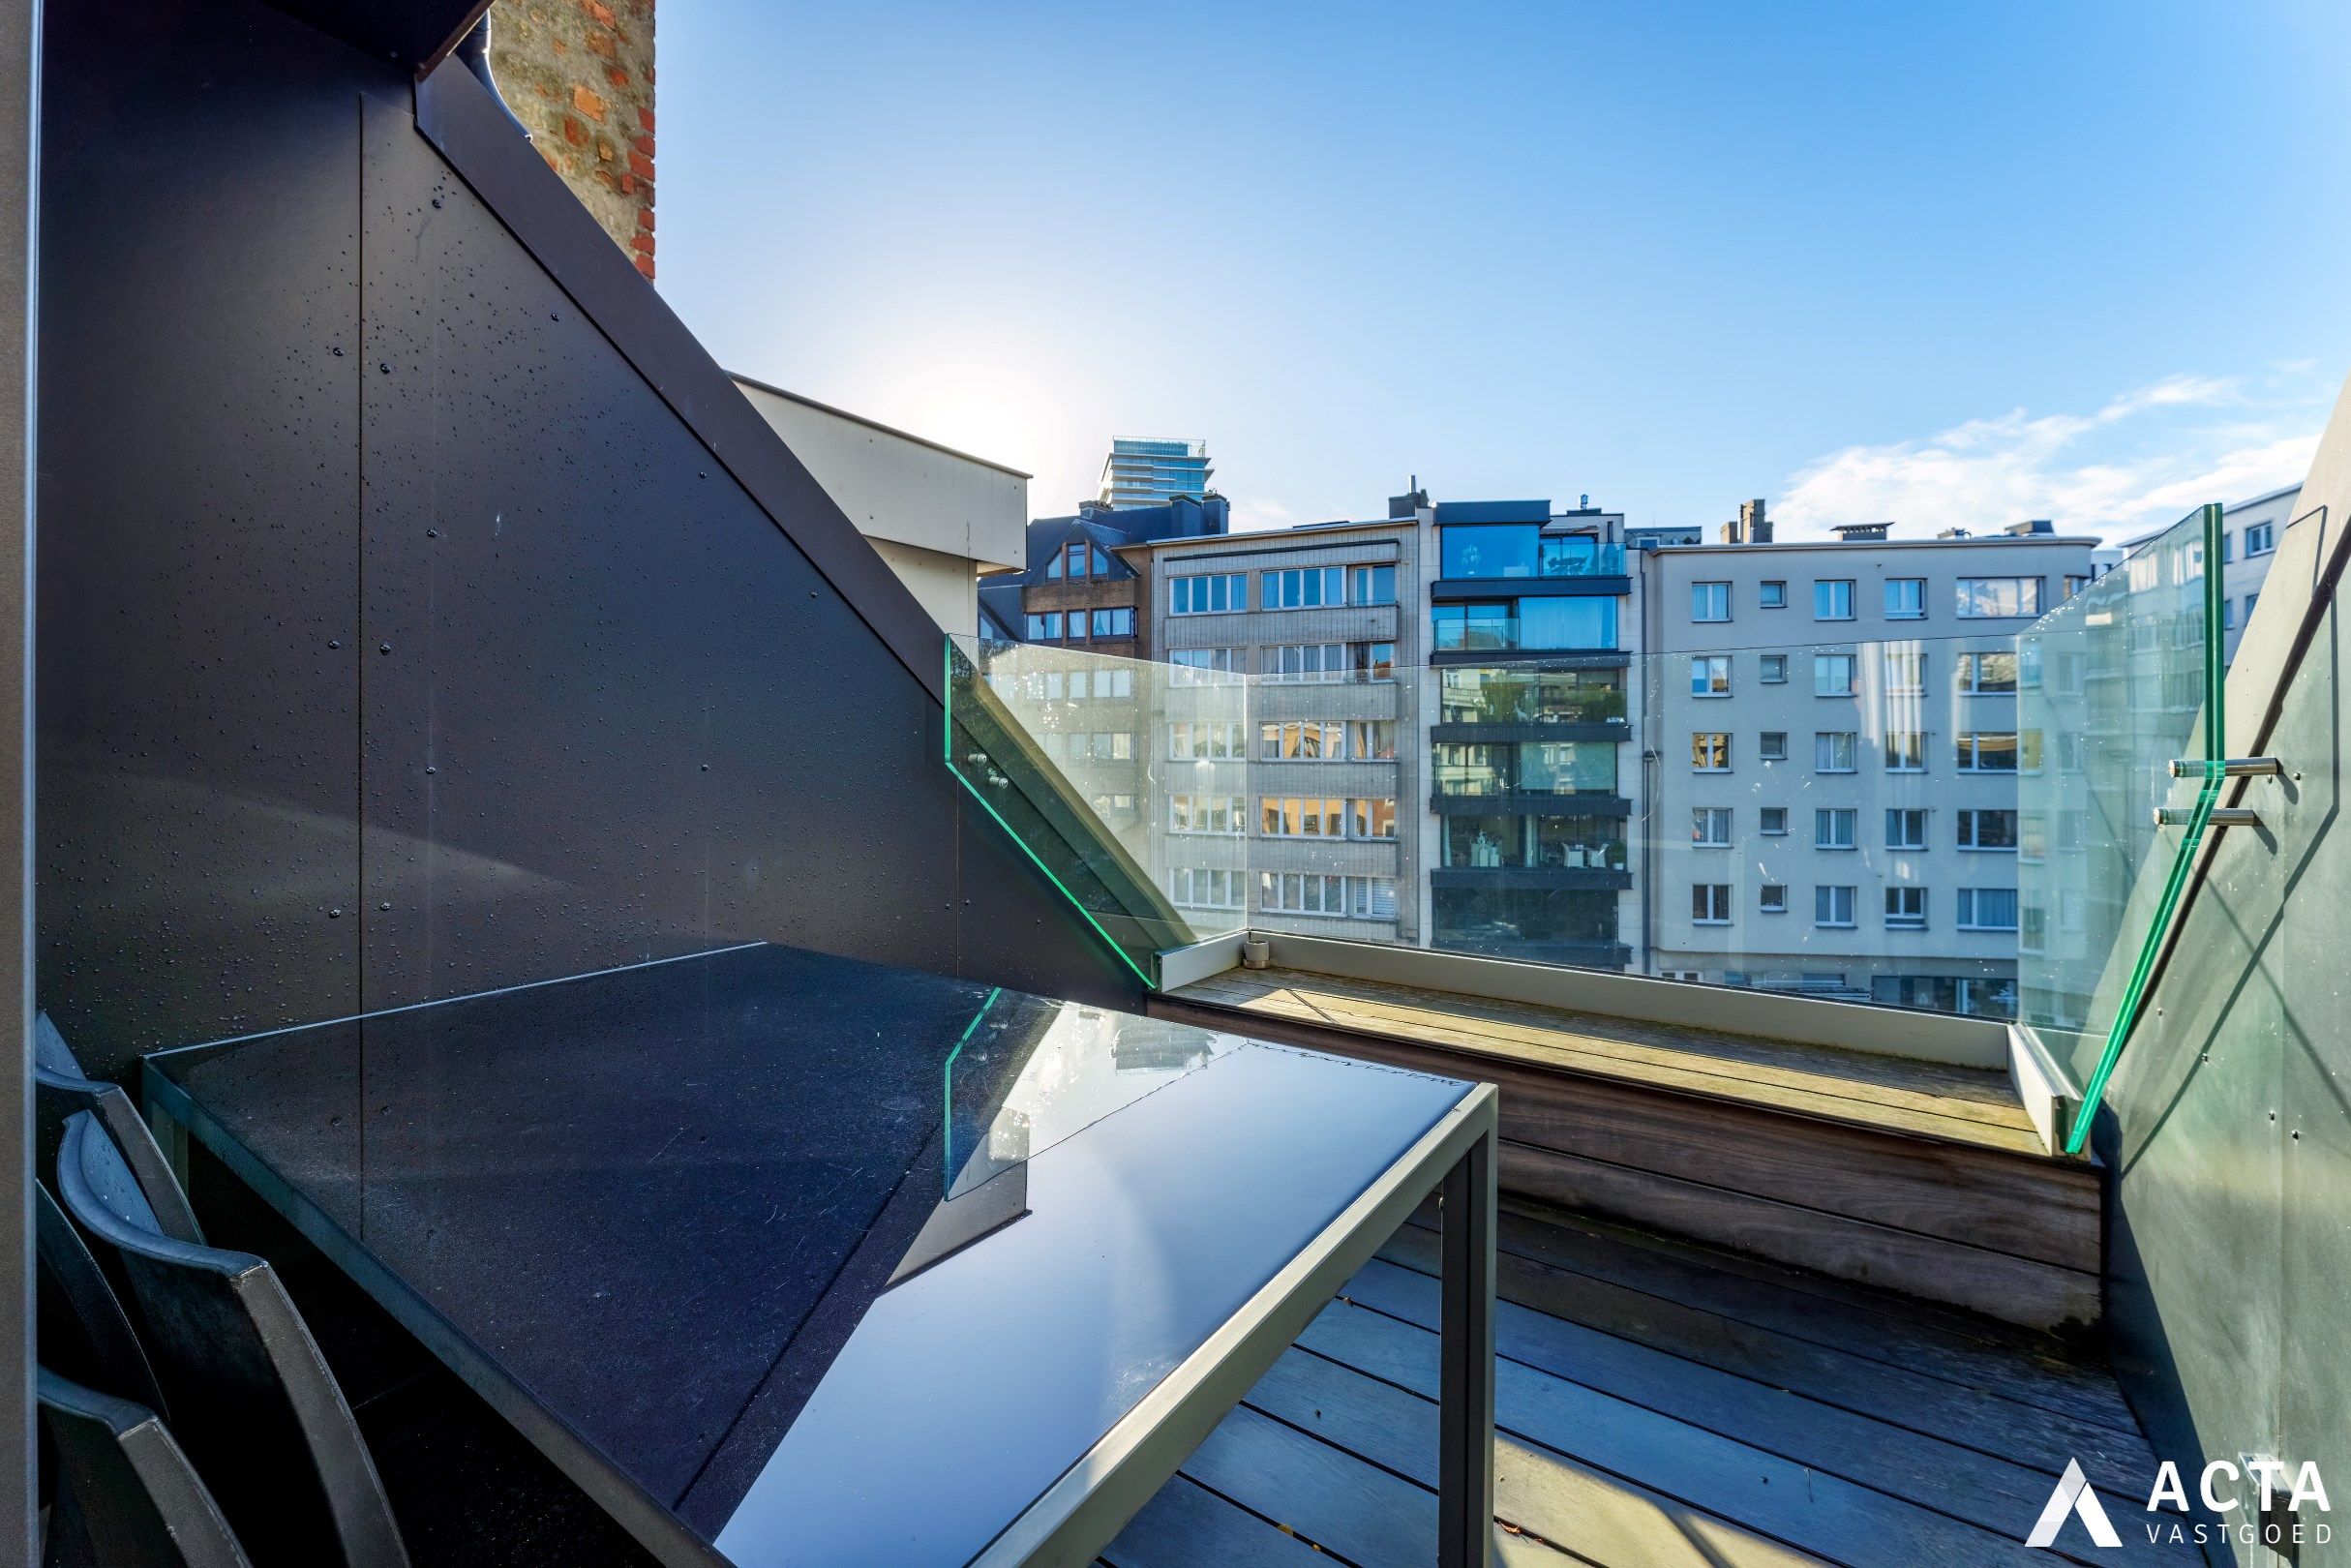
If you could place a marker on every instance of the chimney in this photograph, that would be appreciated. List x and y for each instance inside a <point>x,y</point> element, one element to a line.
<point>2026,530</point>
<point>1753,522</point>
<point>1732,534</point>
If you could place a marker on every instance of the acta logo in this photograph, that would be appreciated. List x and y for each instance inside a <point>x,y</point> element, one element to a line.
<point>2073,1496</point>
<point>2216,1487</point>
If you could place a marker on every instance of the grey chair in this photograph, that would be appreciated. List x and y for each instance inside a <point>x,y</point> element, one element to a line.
<point>251,1398</point>
<point>62,1091</point>
<point>129,1499</point>
<point>80,1328</point>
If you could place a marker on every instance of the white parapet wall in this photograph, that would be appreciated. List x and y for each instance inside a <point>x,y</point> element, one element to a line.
<point>941,517</point>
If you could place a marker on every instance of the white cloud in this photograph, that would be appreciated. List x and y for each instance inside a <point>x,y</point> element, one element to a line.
<point>2145,457</point>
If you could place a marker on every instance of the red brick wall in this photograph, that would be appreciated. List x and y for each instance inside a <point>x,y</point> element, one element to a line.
<point>580,75</point>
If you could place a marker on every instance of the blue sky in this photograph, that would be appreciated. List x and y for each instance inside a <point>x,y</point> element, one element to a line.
<point>1960,265</point>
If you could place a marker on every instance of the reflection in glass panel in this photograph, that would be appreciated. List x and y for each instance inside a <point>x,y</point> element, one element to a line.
<point>1530,696</point>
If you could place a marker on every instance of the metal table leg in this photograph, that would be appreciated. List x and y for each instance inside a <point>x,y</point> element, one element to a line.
<point>1464,1491</point>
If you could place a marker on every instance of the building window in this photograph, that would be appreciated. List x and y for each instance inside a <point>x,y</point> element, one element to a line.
<point>1771,821</point>
<point>1905,829</point>
<point>1906,909</point>
<point>1774,671</point>
<point>1987,674</point>
<point>1106,683</point>
<point>1987,751</point>
<point>1200,666</point>
<point>1371,817</point>
<point>1711,903</point>
<point>1771,747</point>
<point>1832,599</point>
<point>1711,676</point>
<point>1832,828</point>
<point>1310,816</point>
<point>1370,585</point>
<point>1197,887</point>
<point>1905,751</point>
<point>1906,598</point>
<point>1988,830</point>
<point>1372,661</point>
<point>1710,827</point>
<point>1310,741</point>
<point>1906,672</point>
<point>1053,568</point>
<point>1309,588</point>
<point>1372,740</point>
<point>1102,561</point>
<point>1045,628</point>
<point>1832,907</point>
<point>1304,661</point>
<point>1214,593</point>
<point>2260,538</point>
<point>1100,746</point>
<point>1984,598</point>
<point>1188,740</point>
<point>1204,814</point>
<point>1114,624</point>
<point>1774,899</point>
<point>1709,601</point>
<point>1772,595</point>
<point>1075,551</point>
<point>1308,892</point>
<point>1833,751</point>
<point>2226,541</point>
<point>1988,909</point>
<point>1832,675</point>
<point>2228,615</point>
<point>1710,752</point>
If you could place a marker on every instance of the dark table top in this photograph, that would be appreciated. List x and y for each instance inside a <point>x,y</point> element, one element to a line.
<point>837,1263</point>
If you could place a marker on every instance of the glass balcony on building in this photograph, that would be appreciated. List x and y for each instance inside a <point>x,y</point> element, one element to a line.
<point>1475,551</point>
<point>1527,768</point>
<point>1526,625</point>
<point>1555,924</point>
<point>1529,703</point>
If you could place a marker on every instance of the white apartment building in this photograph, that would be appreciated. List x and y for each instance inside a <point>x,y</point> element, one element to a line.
<point>1830,745</point>
<point>2249,542</point>
<point>1297,800</point>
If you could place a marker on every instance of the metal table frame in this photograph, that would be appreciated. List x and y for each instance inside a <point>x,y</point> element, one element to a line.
<point>1082,1512</point>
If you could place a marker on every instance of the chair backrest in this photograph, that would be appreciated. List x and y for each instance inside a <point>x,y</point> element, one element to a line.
<point>81,1330</point>
<point>129,1499</point>
<point>61,1092</point>
<point>251,1400</point>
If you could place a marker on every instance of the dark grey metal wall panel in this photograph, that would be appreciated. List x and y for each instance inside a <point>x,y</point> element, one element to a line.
<point>438,637</point>
<point>610,711</point>
<point>197,850</point>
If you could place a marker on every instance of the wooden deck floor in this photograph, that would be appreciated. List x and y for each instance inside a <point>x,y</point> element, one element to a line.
<point>1657,1404</point>
<point>1968,1105</point>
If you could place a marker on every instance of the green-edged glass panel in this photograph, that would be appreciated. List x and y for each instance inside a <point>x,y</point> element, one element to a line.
<point>2118,684</point>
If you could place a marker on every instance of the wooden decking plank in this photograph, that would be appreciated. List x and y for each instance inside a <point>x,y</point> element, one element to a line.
<point>1691,1073</point>
<point>1611,1032</point>
<point>1977,1488</point>
<point>1962,1192</point>
<point>1899,1333</point>
<point>1598,1517</point>
<point>1819,1513</point>
<point>1185,1526</point>
<point>1942,1087</point>
<point>2020,1291</point>
<point>2040,1439</point>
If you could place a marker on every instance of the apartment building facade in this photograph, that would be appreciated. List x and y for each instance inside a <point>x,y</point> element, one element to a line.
<point>1532,688</point>
<point>1153,473</point>
<point>1832,749</point>
<point>1293,727</point>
